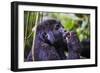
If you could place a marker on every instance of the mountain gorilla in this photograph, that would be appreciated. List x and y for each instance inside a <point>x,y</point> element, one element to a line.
<point>52,41</point>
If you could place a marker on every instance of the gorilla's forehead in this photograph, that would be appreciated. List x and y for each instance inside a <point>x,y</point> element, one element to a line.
<point>48,24</point>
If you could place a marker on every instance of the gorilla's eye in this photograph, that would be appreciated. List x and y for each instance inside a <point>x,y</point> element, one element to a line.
<point>57,27</point>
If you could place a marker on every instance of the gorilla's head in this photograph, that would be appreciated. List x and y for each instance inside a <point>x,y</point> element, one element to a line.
<point>51,31</point>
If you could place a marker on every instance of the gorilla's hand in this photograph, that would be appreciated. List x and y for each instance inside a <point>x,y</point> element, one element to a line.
<point>73,42</point>
<point>73,45</point>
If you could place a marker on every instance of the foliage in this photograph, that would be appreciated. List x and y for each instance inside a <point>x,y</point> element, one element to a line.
<point>30,21</point>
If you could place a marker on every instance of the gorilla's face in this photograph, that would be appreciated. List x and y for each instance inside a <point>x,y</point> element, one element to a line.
<point>56,32</point>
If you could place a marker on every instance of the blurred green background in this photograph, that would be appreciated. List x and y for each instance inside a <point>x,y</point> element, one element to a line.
<point>71,22</point>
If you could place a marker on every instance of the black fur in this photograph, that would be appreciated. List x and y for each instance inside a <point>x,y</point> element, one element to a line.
<point>51,43</point>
